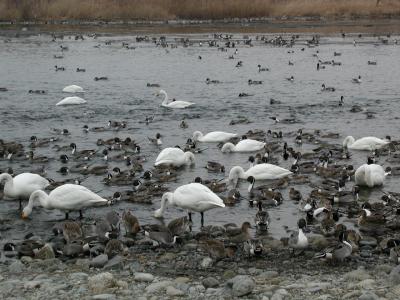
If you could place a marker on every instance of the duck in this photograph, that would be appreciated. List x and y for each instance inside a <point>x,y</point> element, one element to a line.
<point>262,218</point>
<point>131,223</point>
<point>338,252</point>
<point>80,70</point>
<point>73,89</point>
<point>243,234</point>
<point>156,141</point>
<point>22,185</point>
<point>71,101</point>
<point>179,226</point>
<point>213,166</point>
<point>262,69</point>
<point>161,237</point>
<point>291,78</point>
<point>369,143</point>
<point>194,197</point>
<point>215,248</point>
<point>209,81</point>
<point>297,239</point>
<point>327,88</point>
<point>263,171</point>
<point>370,175</point>
<point>356,80</point>
<point>245,145</point>
<point>254,82</point>
<point>373,63</point>
<point>67,197</point>
<point>100,78</point>
<point>72,231</point>
<point>174,103</point>
<point>174,157</point>
<point>213,137</point>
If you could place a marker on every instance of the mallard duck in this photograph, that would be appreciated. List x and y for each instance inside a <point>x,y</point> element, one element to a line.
<point>131,223</point>
<point>262,218</point>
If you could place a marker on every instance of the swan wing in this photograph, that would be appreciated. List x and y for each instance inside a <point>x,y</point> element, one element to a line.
<point>170,156</point>
<point>71,101</point>
<point>26,183</point>
<point>73,89</point>
<point>178,104</point>
<point>218,136</point>
<point>249,145</point>
<point>196,197</point>
<point>267,171</point>
<point>368,143</point>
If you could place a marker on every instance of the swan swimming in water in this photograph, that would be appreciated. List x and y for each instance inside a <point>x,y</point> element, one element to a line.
<point>67,197</point>
<point>258,172</point>
<point>194,197</point>
<point>73,89</point>
<point>173,103</point>
<point>213,137</point>
<point>246,145</point>
<point>175,157</point>
<point>71,101</point>
<point>369,143</point>
<point>22,185</point>
<point>370,175</point>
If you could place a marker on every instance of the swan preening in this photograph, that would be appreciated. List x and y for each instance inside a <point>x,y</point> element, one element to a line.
<point>22,185</point>
<point>174,103</point>
<point>194,197</point>
<point>258,172</point>
<point>246,145</point>
<point>67,197</point>
<point>174,157</point>
<point>213,137</point>
<point>73,89</point>
<point>370,175</point>
<point>71,101</point>
<point>369,143</point>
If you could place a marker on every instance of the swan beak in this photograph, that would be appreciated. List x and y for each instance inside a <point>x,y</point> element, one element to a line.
<point>24,216</point>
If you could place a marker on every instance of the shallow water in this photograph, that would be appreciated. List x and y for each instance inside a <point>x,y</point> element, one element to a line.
<point>28,63</point>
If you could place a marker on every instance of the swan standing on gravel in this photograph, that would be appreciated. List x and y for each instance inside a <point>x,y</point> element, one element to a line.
<point>73,89</point>
<point>213,137</point>
<point>246,145</point>
<point>71,101</point>
<point>174,157</point>
<point>366,143</point>
<point>194,197</point>
<point>258,172</point>
<point>22,185</point>
<point>67,197</point>
<point>370,175</point>
<point>174,103</point>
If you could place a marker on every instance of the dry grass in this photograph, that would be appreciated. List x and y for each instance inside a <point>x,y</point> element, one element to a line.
<point>189,9</point>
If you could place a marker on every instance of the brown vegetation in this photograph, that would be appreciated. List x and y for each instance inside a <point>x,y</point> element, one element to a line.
<point>190,9</point>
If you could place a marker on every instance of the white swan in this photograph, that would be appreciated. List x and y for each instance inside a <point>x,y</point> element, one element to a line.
<point>194,197</point>
<point>258,172</point>
<point>22,185</point>
<point>175,157</point>
<point>213,137</point>
<point>73,89</point>
<point>246,145</point>
<point>71,101</point>
<point>370,175</point>
<point>67,197</point>
<point>366,143</point>
<point>173,103</point>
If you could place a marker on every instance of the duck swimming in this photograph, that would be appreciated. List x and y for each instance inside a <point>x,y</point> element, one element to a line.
<point>368,143</point>
<point>356,80</point>
<point>174,157</point>
<point>246,145</point>
<point>68,197</point>
<point>174,103</point>
<point>213,137</point>
<point>327,88</point>
<point>194,197</point>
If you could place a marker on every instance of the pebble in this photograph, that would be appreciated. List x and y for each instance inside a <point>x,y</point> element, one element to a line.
<point>104,297</point>
<point>143,277</point>
<point>78,276</point>
<point>206,262</point>
<point>394,275</point>
<point>174,292</point>
<point>368,241</point>
<point>101,282</point>
<point>357,275</point>
<point>16,267</point>
<point>210,282</point>
<point>368,296</point>
<point>157,286</point>
<point>241,285</point>
<point>32,284</point>
<point>366,284</point>
<point>99,261</point>
<point>115,263</point>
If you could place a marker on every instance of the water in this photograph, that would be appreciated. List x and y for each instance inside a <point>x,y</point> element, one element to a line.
<point>28,63</point>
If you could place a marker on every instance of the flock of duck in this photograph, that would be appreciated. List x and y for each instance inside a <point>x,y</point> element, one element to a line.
<point>332,199</point>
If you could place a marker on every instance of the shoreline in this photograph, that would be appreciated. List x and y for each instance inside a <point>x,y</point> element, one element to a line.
<point>264,25</point>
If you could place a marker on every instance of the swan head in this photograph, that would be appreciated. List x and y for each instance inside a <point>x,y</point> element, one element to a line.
<point>197,135</point>
<point>26,212</point>
<point>4,178</point>
<point>228,147</point>
<point>166,198</point>
<point>189,158</point>
<point>234,176</point>
<point>348,141</point>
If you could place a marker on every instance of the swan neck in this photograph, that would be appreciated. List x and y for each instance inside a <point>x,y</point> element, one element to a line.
<point>39,196</point>
<point>189,158</point>
<point>9,182</point>
<point>165,100</point>
<point>228,147</point>
<point>167,197</point>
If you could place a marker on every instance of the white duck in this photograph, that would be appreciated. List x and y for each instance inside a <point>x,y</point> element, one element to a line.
<point>22,185</point>
<point>73,89</point>
<point>67,197</point>
<point>194,197</point>
<point>258,172</point>
<point>246,145</point>
<point>213,137</point>
<point>174,157</point>
<point>370,175</point>
<point>369,143</point>
<point>174,103</point>
<point>71,101</point>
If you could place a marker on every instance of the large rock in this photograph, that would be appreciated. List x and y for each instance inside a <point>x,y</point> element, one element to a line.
<point>357,275</point>
<point>101,282</point>
<point>206,262</point>
<point>241,285</point>
<point>115,263</point>
<point>368,296</point>
<point>157,286</point>
<point>99,261</point>
<point>210,282</point>
<point>143,277</point>
<point>104,297</point>
<point>16,267</point>
<point>174,292</point>
<point>46,252</point>
<point>394,275</point>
